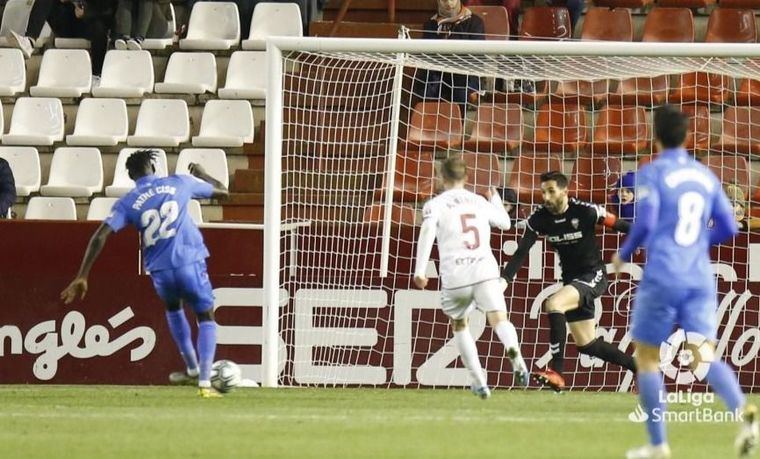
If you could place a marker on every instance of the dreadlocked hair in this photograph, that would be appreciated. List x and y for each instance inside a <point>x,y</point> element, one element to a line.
<point>140,161</point>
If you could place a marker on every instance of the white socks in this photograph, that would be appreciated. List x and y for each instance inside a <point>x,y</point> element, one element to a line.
<point>469,355</point>
<point>507,335</point>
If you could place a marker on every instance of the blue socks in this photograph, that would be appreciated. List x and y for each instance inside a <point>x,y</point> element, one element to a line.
<point>206,348</point>
<point>180,330</point>
<point>650,388</point>
<point>723,381</point>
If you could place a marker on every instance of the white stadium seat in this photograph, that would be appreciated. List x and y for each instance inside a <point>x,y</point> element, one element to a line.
<point>100,208</point>
<point>189,73</point>
<point>161,123</point>
<point>63,73</point>
<point>163,43</point>
<point>126,74</point>
<point>35,121</point>
<point>72,43</point>
<point>25,164</point>
<point>12,72</point>
<point>100,122</point>
<point>121,181</point>
<point>225,123</point>
<point>74,172</point>
<point>273,20</point>
<point>195,212</point>
<point>46,208</point>
<point>246,76</point>
<point>214,160</point>
<point>213,26</point>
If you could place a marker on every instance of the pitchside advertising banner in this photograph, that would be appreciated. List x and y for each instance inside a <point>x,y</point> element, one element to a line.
<point>118,335</point>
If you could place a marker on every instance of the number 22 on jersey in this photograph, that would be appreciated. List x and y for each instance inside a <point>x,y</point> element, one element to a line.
<point>156,223</point>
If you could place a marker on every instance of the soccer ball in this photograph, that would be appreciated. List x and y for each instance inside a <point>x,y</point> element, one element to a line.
<point>225,375</point>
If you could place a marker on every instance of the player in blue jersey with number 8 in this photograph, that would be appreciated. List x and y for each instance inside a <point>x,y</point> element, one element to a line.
<point>681,210</point>
<point>174,255</point>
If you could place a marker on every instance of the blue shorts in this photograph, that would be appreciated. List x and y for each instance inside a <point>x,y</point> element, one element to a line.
<point>657,309</point>
<point>189,283</point>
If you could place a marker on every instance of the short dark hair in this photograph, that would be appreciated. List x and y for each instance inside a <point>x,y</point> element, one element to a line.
<point>670,126</point>
<point>557,176</point>
<point>140,162</point>
<point>454,169</point>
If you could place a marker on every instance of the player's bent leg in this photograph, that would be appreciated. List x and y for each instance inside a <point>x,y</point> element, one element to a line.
<point>584,334</point>
<point>651,394</point>
<point>507,334</point>
<point>565,299</point>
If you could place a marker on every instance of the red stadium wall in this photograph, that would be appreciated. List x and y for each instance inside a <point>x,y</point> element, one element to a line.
<point>118,334</point>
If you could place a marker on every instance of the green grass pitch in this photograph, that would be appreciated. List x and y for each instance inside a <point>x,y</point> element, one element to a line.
<point>171,422</point>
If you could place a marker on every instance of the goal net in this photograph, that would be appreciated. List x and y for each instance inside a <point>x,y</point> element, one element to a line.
<point>355,130</point>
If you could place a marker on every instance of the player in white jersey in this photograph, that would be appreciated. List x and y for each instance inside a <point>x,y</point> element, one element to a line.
<point>461,221</point>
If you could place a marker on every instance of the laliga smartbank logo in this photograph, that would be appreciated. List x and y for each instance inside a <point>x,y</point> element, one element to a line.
<point>685,359</point>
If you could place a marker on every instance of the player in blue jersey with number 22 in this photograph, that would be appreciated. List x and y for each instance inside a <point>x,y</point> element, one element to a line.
<point>174,255</point>
<point>681,210</point>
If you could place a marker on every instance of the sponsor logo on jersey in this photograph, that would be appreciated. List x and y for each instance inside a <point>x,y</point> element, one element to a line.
<point>567,237</point>
<point>574,222</point>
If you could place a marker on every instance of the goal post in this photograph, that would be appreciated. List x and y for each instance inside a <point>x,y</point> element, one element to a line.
<point>353,139</point>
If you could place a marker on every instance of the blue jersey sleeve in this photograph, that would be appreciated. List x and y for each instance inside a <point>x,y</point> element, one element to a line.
<point>725,226</point>
<point>198,188</point>
<point>117,219</point>
<point>647,209</point>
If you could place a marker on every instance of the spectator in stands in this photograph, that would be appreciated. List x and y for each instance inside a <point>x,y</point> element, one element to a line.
<point>625,196</point>
<point>132,22</point>
<point>456,22</point>
<point>739,201</point>
<point>513,10</point>
<point>88,19</point>
<point>7,189</point>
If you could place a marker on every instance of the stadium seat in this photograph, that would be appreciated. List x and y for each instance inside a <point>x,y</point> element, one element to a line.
<point>246,76</point>
<point>121,181</point>
<point>559,128</point>
<point>25,164</point>
<point>525,177</point>
<point>620,129</point>
<point>415,177</point>
<point>669,25</point>
<point>749,4</point>
<point>214,160</point>
<point>546,22</point>
<point>161,123</point>
<point>213,26</point>
<point>74,172</point>
<point>582,92</point>
<point>495,20</point>
<point>740,133</point>
<point>195,211</point>
<point>15,18</point>
<point>35,121</point>
<point>730,169</point>
<point>402,214</point>
<point>72,43</point>
<point>126,74</point>
<point>607,24</point>
<point>484,172</point>
<point>701,87</point>
<point>698,135</point>
<point>100,122</point>
<point>594,178</point>
<point>748,92</point>
<point>189,73</point>
<point>497,128</point>
<point>100,208</point>
<point>225,123</point>
<point>273,19</point>
<point>47,208</point>
<point>163,43</point>
<point>641,91</point>
<point>686,3</point>
<point>435,124</point>
<point>623,3</point>
<point>729,25</point>
<point>12,72</point>
<point>63,73</point>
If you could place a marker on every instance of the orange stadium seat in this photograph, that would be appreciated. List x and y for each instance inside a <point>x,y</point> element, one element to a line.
<point>750,4</point>
<point>686,3</point>
<point>400,213</point>
<point>728,25</point>
<point>623,3</point>
<point>546,22</point>
<point>495,20</point>
<point>730,169</point>
<point>582,92</point>
<point>484,172</point>
<point>415,177</point>
<point>621,129</point>
<point>740,132</point>
<point>435,124</point>
<point>701,87</point>
<point>698,136</point>
<point>593,178</point>
<point>525,178</point>
<point>497,128</point>
<point>560,128</point>
<point>748,92</point>
<point>607,24</point>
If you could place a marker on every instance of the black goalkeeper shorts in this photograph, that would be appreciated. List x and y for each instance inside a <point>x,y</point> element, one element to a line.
<point>590,286</point>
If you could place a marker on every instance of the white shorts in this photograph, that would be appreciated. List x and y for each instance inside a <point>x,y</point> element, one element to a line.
<point>487,296</point>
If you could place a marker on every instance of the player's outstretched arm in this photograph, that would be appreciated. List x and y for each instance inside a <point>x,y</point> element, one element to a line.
<point>498,216</point>
<point>220,191</point>
<point>523,248</point>
<point>78,287</point>
<point>611,221</point>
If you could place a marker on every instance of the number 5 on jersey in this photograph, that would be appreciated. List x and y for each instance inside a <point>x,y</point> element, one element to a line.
<point>468,228</point>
